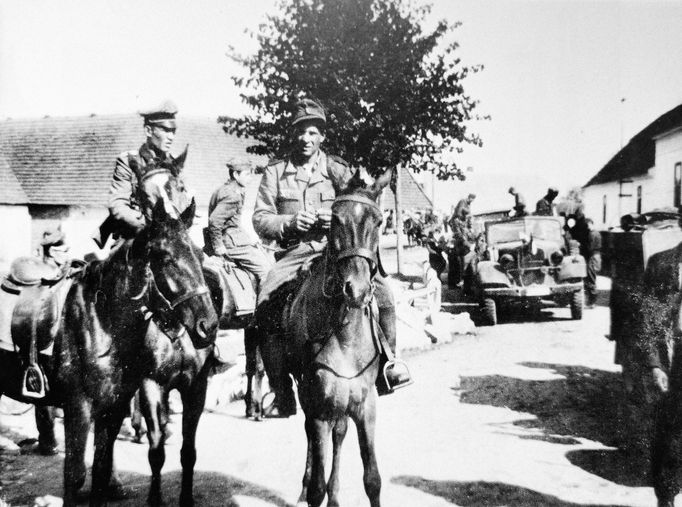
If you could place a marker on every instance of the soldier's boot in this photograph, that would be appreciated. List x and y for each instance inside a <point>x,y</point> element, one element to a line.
<point>393,373</point>
<point>281,401</point>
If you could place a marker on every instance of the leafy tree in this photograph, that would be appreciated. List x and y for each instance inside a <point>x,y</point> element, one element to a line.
<point>392,88</point>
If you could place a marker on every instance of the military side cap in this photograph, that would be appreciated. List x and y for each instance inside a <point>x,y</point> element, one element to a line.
<point>308,109</point>
<point>240,164</point>
<point>53,237</point>
<point>163,114</point>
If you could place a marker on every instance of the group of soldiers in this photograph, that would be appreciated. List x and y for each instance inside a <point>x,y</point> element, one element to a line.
<point>293,209</point>
<point>579,228</point>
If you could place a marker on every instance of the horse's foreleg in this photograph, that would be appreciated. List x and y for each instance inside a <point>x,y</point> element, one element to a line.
<point>667,452</point>
<point>365,423</point>
<point>303,498</point>
<point>338,434</point>
<point>193,400</point>
<point>76,428</point>
<point>107,427</point>
<point>151,405</point>
<point>318,434</point>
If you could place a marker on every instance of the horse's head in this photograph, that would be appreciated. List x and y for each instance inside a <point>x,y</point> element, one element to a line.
<point>162,183</point>
<point>176,287</point>
<point>354,237</point>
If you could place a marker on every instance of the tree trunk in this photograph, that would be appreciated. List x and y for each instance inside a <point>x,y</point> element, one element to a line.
<point>398,221</point>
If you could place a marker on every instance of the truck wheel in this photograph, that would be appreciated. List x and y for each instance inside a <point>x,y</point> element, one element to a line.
<point>489,309</point>
<point>577,304</point>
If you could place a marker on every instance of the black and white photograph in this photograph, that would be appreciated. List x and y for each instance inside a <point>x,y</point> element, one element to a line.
<point>358,253</point>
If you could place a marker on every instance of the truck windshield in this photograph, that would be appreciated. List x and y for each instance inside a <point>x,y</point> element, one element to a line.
<point>513,231</point>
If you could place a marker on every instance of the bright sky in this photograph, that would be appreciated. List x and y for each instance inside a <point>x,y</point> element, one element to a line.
<point>556,71</point>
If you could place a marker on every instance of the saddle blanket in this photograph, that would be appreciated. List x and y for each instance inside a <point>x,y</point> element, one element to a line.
<point>8,301</point>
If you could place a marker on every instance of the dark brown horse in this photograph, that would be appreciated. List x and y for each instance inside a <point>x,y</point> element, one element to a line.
<point>333,344</point>
<point>176,363</point>
<point>102,350</point>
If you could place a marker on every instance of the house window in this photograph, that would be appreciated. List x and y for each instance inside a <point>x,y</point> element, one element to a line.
<point>603,211</point>
<point>678,185</point>
<point>639,199</point>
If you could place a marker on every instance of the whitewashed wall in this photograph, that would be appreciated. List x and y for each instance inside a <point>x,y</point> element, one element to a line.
<point>15,231</point>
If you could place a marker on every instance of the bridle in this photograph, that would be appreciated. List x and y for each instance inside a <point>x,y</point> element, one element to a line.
<point>365,253</point>
<point>151,289</point>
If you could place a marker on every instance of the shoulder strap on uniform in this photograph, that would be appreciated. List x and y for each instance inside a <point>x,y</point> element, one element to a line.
<point>338,160</point>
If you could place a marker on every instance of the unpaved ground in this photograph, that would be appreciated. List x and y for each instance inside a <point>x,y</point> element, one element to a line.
<point>523,414</point>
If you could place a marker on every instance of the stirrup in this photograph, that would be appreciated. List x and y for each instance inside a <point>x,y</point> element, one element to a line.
<point>399,379</point>
<point>33,372</point>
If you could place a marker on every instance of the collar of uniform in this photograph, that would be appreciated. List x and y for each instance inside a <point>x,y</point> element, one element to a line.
<point>150,155</point>
<point>318,172</point>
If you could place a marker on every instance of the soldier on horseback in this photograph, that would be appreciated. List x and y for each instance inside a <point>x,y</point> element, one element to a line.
<point>225,234</point>
<point>126,216</point>
<point>293,207</point>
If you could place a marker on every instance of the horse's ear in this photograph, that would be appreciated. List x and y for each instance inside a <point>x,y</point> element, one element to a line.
<point>179,161</point>
<point>381,182</point>
<point>187,216</point>
<point>159,213</point>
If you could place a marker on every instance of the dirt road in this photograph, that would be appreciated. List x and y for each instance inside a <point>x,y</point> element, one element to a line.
<point>522,414</point>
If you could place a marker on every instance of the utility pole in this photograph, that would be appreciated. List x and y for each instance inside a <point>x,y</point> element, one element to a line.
<point>398,220</point>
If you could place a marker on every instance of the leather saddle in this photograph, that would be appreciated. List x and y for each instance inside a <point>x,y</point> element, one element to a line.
<point>236,285</point>
<point>41,291</point>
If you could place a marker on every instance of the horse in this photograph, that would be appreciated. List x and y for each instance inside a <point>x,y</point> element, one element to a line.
<point>414,230</point>
<point>101,351</point>
<point>176,363</point>
<point>333,343</point>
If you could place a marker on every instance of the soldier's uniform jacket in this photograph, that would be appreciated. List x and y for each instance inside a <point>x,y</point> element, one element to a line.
<point>224,218</point>
<point>544,207</point>
<point>285,189</point>
<point>123,200</point>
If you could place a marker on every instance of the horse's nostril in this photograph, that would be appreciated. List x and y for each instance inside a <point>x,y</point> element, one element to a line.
<point>202,328</point>
<point>348,289</point>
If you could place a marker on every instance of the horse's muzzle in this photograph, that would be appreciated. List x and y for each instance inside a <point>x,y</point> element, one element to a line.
<point>357,296</point>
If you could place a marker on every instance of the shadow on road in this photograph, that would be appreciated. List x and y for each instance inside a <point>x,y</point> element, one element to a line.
<point>585,404</point>
<point>211,489</point>
<point>613,465</point>
<point>484,494</point>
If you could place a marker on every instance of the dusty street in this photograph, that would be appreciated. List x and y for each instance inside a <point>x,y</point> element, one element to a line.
<point>521,414</point>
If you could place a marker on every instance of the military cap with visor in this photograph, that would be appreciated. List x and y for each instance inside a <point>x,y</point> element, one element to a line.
<point>162,115</point>
<point>308,110</point>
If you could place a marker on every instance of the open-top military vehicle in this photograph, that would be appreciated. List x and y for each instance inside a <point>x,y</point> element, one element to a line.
<point>527,260</point>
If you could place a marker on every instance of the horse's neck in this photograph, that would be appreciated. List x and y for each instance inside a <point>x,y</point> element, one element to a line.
<point>114,283</point>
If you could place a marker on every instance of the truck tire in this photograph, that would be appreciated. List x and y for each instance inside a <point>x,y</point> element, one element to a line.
<point>489,309</point>
<point>577,300</point>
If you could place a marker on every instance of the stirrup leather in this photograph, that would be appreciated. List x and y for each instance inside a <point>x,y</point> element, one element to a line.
<point>33,373</point>
<point>403,380</point>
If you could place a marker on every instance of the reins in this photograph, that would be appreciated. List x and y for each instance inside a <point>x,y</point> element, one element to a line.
<point>152,289</point>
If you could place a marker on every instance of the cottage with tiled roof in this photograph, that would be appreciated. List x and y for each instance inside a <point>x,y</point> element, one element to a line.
<point>646,174</point>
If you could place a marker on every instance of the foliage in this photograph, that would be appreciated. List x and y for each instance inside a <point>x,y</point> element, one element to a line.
<point>392,88</point>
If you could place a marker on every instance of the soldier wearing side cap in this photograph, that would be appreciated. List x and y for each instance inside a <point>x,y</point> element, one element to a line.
<point>225,235</point>
<point>126,217</point>
<point>545,206</point>
<point>294,208</point>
